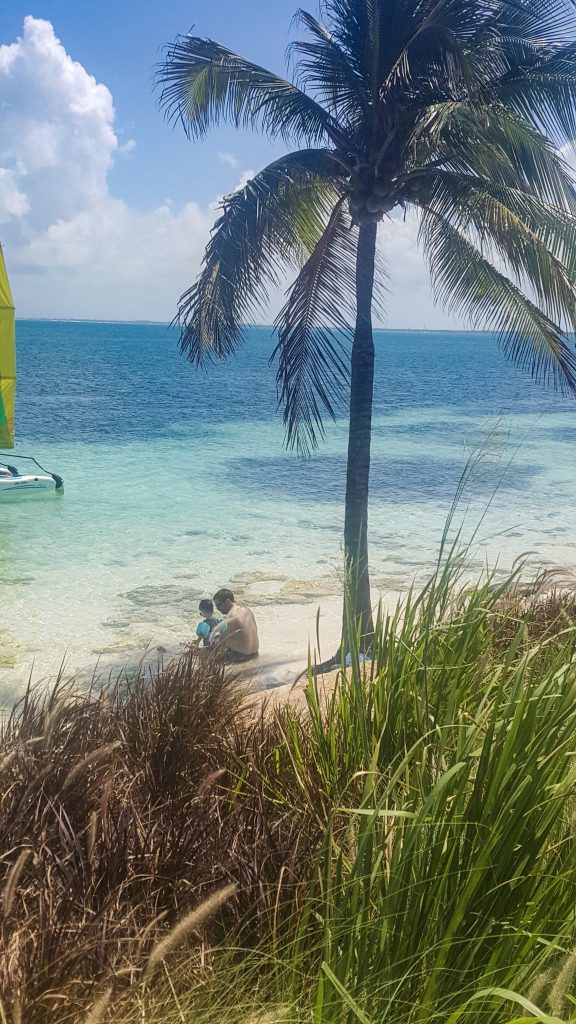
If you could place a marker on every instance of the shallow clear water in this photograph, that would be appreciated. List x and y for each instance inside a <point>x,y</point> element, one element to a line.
<point>177,482</point>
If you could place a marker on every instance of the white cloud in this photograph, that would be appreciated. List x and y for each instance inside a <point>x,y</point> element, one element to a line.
<point>56,130</point>
<point>127,147</point>
<point>115,262</point>
<point>229,158</point>
<point>245,177</point>
<point>13,202</point>
<point>73,249</point>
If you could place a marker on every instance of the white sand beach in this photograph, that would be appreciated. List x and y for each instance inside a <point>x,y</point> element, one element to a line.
<point>289,634</point>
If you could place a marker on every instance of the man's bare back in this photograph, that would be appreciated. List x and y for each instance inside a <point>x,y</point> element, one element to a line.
<point>240,640</point>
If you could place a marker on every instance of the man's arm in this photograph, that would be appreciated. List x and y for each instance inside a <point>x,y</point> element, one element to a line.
<point>222,631</point>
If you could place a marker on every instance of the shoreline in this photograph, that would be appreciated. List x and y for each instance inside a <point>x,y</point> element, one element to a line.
<point>297,620</point>
<point>286,632</point>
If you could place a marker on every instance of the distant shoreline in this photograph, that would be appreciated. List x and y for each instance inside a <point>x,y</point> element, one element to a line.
<point>84,320</point>
<point>270,327</point>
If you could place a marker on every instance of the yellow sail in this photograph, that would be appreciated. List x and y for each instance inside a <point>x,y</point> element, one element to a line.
<point>7,359</point>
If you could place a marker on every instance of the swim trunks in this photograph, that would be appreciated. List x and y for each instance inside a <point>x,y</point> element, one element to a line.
<point>237,657</point>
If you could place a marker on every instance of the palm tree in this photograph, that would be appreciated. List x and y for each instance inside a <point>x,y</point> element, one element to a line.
<point>456,109</point>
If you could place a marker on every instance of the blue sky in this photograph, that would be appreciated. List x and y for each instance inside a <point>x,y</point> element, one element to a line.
<point>104,208</point>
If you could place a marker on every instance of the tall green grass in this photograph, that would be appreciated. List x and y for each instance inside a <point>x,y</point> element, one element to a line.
<point>456,869</point>
<point>447,765</point>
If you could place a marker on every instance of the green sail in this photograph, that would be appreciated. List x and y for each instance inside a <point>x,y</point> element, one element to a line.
<point>7,359</point>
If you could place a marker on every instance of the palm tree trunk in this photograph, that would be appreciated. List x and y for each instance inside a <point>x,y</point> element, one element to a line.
<point>359,437</point>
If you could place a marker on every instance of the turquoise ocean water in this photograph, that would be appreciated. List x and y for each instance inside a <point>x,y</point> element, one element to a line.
<point>177,482</point>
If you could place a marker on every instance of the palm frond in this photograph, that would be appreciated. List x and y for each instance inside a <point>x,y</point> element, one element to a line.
<point>271,223</point>
<point>352,27</point>
<point>544,93</point>
<point>465,282</point>
<point>313,334</point>
<point>324,67</point>
<point>202,83</point>
<point>435,65</point>
<point>494,143</point>
<point>534,241</point>
<point>427,44</point>
<point>553,21</point>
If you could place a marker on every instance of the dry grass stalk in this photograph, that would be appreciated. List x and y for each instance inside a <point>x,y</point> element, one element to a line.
<point>93,758</point>
<point>191,923</point>
<point>210,781</point>
<point>7,760</point>
<point>272,1016</point>
<point>562,985</point>
<point>12,882</point>
<point>540,985</point>
<point>96,1013</point>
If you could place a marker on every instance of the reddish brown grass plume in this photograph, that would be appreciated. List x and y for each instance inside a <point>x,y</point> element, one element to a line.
<point>122,809</point>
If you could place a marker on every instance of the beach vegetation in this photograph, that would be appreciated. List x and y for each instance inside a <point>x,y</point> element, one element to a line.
<point>394,842</point>
<point>456,113</point>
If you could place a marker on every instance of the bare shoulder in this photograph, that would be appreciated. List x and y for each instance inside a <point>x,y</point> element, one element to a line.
<point>242,611</point>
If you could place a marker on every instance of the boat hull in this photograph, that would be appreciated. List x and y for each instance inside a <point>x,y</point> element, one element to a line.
<point>27,486</point>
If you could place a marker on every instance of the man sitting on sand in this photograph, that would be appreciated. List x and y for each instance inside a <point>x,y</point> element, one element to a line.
<point>240,642</point>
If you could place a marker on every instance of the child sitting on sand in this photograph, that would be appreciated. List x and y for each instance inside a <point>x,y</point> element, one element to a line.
<point>206,628</point>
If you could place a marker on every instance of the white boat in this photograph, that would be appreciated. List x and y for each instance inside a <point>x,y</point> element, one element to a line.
<point>13,481</point>
<point>16,484</point>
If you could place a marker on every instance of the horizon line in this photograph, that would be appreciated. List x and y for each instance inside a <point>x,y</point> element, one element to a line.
<point>270,327</point>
